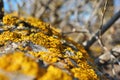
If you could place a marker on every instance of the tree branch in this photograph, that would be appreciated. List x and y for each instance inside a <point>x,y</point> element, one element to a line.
<point>105,27</point>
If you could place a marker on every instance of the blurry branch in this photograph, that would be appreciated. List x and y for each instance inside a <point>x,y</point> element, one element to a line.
<point>38,11</point>
<point>88,23</point>
<point>35,8</point>
<point>1,9</point>
<point>97,6</point>
<point>105,27</point>
<point>20,8</point>
<point>75,31</point>
<point>45,8</point>
<point>101,26</point>
<point>102,43</point>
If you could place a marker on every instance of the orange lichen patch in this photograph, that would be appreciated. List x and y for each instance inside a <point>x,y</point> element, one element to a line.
<point>78,46</point>
<point>3,77</point>
<point>39,24</point>
<point>9,35</point>
<point>10,20</point>
<point>79,55</point>
<point>84,71</point>
<point>54,43</point>
<point>84,74</point>
<point>22,32</point>
<point>18,62</point>
<point>46,56</point>
<point>5,36</point>
<point>37,38</point>
<point>54,73</point>
<point>44,40</point>
<point>44,27</point>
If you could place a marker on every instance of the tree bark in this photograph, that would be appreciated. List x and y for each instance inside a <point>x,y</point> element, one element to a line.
<point>1,9</point>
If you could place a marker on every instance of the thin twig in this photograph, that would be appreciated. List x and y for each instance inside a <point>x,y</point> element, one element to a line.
<point>45,8</point>
<point>101,26</point>
<point>97,6</point>
<point>89,43</point>
<point>88,23</point>
<point>80,31</point>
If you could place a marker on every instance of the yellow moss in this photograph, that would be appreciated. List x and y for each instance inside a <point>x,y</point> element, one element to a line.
<point>54,73</point>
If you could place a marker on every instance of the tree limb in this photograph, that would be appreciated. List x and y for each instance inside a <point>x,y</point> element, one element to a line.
<point>105,27</point>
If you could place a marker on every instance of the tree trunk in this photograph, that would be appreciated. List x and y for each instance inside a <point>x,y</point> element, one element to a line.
<point>1,9</point>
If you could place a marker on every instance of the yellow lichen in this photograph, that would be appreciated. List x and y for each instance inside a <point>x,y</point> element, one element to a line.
<point>10,20</point>
<point>19,62</point>
<point>84,74</point>
<point>46,56</point>
<point>11,36</point>
<point>54,73</point>
<point>42,34</point>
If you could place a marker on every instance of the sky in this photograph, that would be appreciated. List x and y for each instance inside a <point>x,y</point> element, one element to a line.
<point>7,6</point>
<point>14,6</point>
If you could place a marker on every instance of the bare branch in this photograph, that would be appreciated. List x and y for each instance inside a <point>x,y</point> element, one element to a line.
<point>76,31</point>
<point>40,13</point>
<point>101,26</point>
<point>105,27</point>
